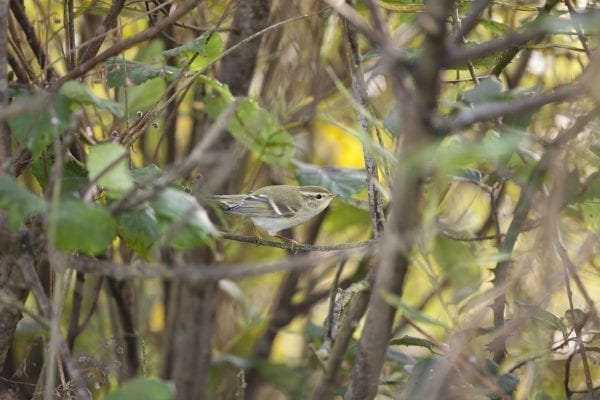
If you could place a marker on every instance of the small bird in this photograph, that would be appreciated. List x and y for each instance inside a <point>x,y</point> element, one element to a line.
<point>278,207</point>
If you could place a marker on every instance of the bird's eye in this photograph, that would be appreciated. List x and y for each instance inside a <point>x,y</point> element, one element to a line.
<point>319,197</point>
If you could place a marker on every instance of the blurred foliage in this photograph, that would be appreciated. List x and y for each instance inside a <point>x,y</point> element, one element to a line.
<point>300,128</point>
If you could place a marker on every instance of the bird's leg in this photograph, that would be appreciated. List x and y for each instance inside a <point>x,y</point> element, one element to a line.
<point>256,233</point>
<point>292,242</point>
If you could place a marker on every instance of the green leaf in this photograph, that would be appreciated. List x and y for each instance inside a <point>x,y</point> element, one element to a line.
<point>83,227</point>
<point>412,312</point>
<point>345,216</point>
<point>545,318</point>
<point>145,174</point>
<point>341,181</point>
<point>255,127</point>
<point>456,260</point>
<point>180,211</point>
<point>143,96</point>
<point>123,73</point>
<point>508,382</point>
<point>468,175</point>
<point>407,340</point>
<point>36,128</point>
<point>577,317</point>
<point>79,93</point>
<point>456,154</point>
<point>206,48</point>
<point>520,121</point>
<point>489,89</point>
<point>139,229</point>
<point>109,161</point>
<point>74,178</point>
<point>18,201</point>
<point>141,388</point>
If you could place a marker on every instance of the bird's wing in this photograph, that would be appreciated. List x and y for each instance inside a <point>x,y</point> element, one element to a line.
<point>229,200</point>
<point>260,205</point>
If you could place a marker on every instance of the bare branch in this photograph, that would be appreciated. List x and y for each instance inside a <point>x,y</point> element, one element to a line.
<point>203,273</point>
<point>127,43</point>
<point>295,246</point>
<point>360,94</point>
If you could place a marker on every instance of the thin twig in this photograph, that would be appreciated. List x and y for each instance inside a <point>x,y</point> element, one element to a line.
<point>578,27</point>
<point>202,273</point>
<point>125,44</point>
<point>18,11</point>
<point>470,21</point>
<point>518,222</point>
<point>26,263</point>
<point>360,94</point>
<point>109,23</point>
<point>138,194</point>
<point>5,144</point>
<point>295,246</point>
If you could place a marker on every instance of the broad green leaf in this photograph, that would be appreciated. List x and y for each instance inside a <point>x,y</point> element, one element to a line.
<point>123,73</point>
<point>508,381</point>
<point>468,174</point>
<point>74,178</point>
<point>204,50</point>
<point>78,93</point>
<point>139,229</point>
<point>83,227</point>
<point>489,89</point>
<point>145,174</point>
<point>545,318</point>
<point>18,201</point>
<point>341,181</point>
<point>345,216</point>
<point>577,317</point>
<point>143,96</point>
<point>412,312</point>
<point>252,125</point>
<point>456,260</point>
<point>36,128</point>
<point>456,153</point>
<point>407,340</point>
<point>183,218</point>
<point>108,161</point>
<point>141,388</point>
<point>520,121</point>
